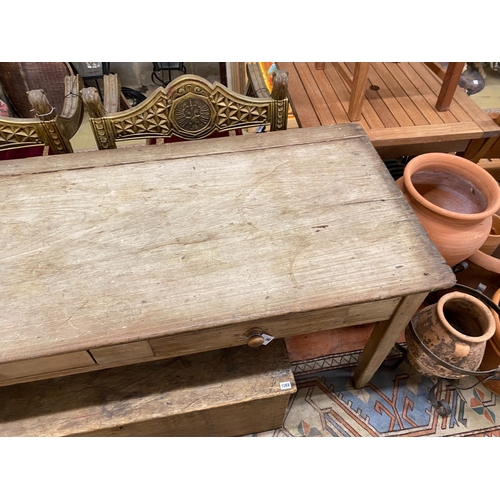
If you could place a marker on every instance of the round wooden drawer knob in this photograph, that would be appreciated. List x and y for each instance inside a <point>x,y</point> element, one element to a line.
<point>255,340</point>
<point>256,337</point>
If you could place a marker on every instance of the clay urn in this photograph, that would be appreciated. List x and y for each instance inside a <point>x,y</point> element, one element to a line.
<point>454,199</point>
<point>455,330</point>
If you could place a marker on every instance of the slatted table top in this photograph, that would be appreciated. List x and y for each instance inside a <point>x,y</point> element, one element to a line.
<point>399,112</point>
<point>100,248</point>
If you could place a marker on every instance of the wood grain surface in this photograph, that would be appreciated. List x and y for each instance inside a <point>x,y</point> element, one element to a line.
<point>219,393</point>
<point>399,111</point>
<point>106,248</point>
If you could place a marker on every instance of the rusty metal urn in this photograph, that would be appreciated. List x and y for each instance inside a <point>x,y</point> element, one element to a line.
<point>449,334</point>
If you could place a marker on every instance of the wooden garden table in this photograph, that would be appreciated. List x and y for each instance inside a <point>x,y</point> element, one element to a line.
<point>399,111</point>
<point>119,257</point>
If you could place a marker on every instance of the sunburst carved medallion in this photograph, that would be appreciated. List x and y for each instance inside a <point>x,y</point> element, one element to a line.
<point>192,114</point>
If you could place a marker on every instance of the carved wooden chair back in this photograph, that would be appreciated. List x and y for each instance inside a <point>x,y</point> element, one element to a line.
<point>47,128</point>
<point>188,108</point>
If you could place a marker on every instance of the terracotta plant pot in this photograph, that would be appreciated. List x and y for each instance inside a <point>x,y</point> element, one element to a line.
<point>455,329</point>
<point>488,262</point>
<point>493,239</point>
<point>454,199</point>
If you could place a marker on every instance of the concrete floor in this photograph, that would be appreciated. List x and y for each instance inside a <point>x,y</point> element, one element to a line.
<point>489,98</point>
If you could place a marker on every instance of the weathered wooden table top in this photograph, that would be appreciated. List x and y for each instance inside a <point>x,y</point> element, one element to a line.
<point>99,248</point>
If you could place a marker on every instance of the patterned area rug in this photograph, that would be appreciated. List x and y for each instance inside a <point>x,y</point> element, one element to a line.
<point>395,403</point>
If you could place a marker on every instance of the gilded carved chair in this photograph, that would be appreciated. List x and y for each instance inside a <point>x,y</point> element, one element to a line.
<point>48,129</point>
<point>188,108</point>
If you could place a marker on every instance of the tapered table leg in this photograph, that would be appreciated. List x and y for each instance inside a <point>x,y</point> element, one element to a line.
<point>383,338</point>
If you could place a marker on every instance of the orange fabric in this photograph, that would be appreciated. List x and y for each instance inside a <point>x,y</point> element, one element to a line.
<point>264,67</point>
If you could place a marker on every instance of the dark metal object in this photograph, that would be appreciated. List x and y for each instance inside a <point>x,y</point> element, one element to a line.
<point>478,293</point>
<point>134,97</point>
<point>441,406</point>
<point>160,67</point>
<point>395,364</point>
<point>94,71</point>
<point>396,166</point>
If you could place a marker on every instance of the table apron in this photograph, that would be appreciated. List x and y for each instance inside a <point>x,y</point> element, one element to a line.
<point>180,344</point>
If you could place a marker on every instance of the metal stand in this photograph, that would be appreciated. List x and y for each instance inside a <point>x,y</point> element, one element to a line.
<point>160,67</point>
<point>93,71</point>
<point>442,407</point>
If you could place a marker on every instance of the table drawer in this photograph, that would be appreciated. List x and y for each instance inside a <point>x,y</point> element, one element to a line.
<point>44,366</point>
<point>192,342</point>
<point>280,327</point>
<point>372,312</point>
<point>119,354</point>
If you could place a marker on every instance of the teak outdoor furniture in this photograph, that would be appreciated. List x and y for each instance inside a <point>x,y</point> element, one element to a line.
<point>399,112</point>
<point>188,108</point>
<point>49,127</point>
<point>357,84</point>
<point>138,254</point>
<point>487,151</point>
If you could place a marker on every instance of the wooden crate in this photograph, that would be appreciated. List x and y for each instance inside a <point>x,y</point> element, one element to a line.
<point>227,392</point>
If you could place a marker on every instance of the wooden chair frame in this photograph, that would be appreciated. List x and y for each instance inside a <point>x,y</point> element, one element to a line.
<point>188,108</point>
<point>487,148</point>
<point>486,152</point>
<point>357,84</point>
<point>47,127</point>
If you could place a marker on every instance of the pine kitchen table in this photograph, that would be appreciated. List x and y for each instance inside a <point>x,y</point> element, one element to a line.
<point>114,258</point>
